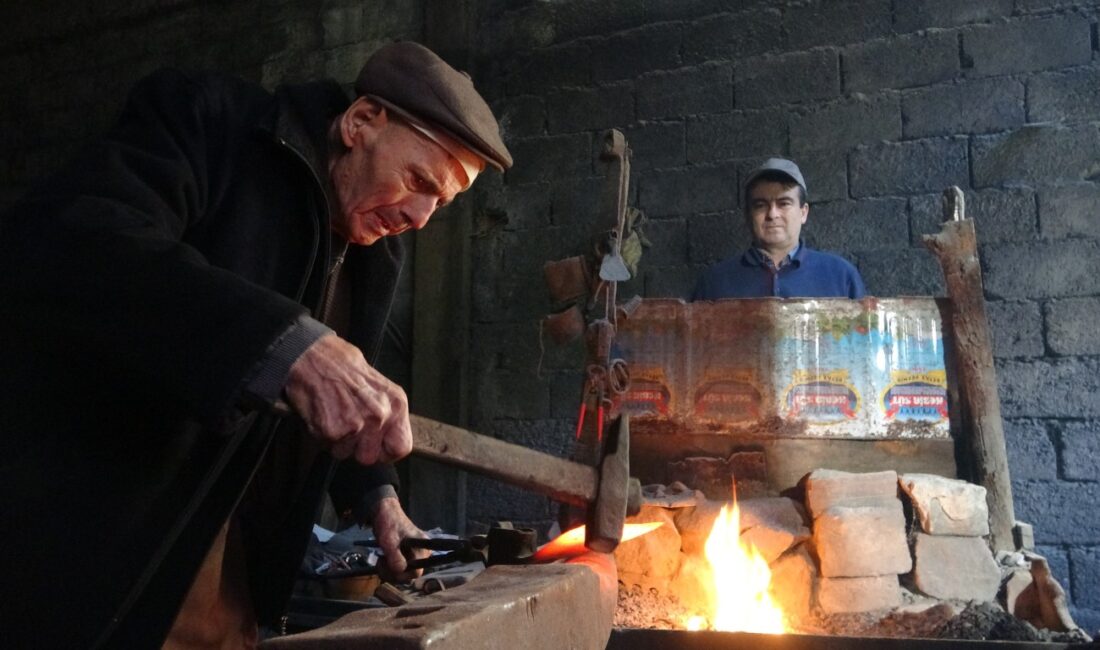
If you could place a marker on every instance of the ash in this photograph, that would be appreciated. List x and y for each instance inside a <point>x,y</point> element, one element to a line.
<point>646,608</point>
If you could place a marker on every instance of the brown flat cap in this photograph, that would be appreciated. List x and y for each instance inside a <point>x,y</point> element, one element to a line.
<point>414,82</point>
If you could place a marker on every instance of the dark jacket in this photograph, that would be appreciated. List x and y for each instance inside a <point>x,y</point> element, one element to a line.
<point>139,288</point>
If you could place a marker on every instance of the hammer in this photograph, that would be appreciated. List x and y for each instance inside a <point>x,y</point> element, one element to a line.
<point>608,493</point>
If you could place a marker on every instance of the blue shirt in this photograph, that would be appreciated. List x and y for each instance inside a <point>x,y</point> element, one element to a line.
<point>806,273</point>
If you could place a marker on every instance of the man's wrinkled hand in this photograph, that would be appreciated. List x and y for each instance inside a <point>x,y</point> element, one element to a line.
<point>348,404</point>
<point>391,525</point>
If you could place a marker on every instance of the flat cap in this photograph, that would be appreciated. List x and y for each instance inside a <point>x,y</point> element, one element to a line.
<point>415,83</point>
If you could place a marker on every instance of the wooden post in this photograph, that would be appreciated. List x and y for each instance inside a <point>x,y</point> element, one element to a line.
<point>956,249</point>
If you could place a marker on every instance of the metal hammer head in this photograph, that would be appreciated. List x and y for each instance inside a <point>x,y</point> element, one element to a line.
<point>618,495</point>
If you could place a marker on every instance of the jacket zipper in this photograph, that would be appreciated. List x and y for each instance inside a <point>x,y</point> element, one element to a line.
<point>316,231</point>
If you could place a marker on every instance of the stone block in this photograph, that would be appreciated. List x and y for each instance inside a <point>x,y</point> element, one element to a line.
<point>578,203</point>
<point>826,488</point>
<point>695,525</point>
<point>687,91</point>
<point>901,62</point>
<point>1034,155</point>
<point>999,215</point>
<point>687,191</point>
<point>521,116</point>
<point>652,558</point>
<point>912,15</point>
<point>555,156</point>
<point>1061,512</point>
<point>1031,453</point>
<point>566,389</point>
<point>794,576</point>
<point>1071,325</point>
<point>901,272</point>
<point>526,205</point>
<point>911,167</point>
<point>856,541</point>
<point>1028,45</point>
<point>668,282</point>
<point>629,54</point>
<point>655,145</point>
<point>511,394</point>
<point>1066,268</point>
<point>945,506</point>
<point>595,17</point>
<point>775,512</point>
<point>1080,449</point>
<point>1070,211</point>
<point>977,106</point>
<point>1071,96</point>
<point>693,583</point>
<point>585,109</point>
<point>853,595</point>
<point>669,237</point>
<point>1050,387</point>
<point>739,134</point>
<point>1085,564</point>
<point>960,568</point>
<point>837,22</point>
<point>826,174</point>
<point>771,542</point>
<point>868,224</point>
<point>1017,328</point>
<point>843,124</point>
<point>539,69</point>
<point>490,500</point>
<point>712,237</point>
<point>763,82</point>
<point>731,36</point>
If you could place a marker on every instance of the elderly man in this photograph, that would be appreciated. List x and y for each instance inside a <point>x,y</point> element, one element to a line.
<point>221,249</point>
<point>779,263</point>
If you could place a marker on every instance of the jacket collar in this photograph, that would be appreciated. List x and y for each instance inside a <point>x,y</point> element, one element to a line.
<point>300,119</point>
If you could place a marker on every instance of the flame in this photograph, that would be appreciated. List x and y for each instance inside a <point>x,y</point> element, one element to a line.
<point>571,542</point>
<point>741,578</point>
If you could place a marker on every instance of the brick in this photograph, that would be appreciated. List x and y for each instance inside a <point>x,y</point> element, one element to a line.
<point>901,62</point>
<point>909,167</point>
<point>584,109</point>
<point>945,506</point>
<point>1085,564</point>
<point>836,22</point>
<point>763,82</point>
<point>841,125</point>
<point>1035,155</point>
<point>636,52</point>
<point>977,106</point>
<point>854,541</point>
<point>1072,96</point>
<point>1061,512</point>
<point>656,145</point>
<point>999,215</point>
<point>1071,326</point>
<point>728,37</point>
<point>687,91</point>
<point>736,135</point>
<point>540,69</point>
<point>853,595</point>
<point>858,225</point>
<point>826,175</point>
<point>1031,453</point>
<point>1080,449</point>
<point>1017,328</point>
<point>953,568</point>
<point>550,157</point>
<point>826,488</point>
<point>521,116</point>
<point>911,15</point>
<point>1050,387</point>
<point>686,191</point>
<point>1070,211</point>
<point>909,272</point>
<point>712,237</point>
<point>1042,270</point>
<point>1028,45</point>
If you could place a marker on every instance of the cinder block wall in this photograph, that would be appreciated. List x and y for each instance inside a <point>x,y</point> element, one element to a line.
<point>884,103</point>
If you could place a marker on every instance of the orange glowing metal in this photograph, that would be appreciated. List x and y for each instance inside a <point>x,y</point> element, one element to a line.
<point>571,542</point>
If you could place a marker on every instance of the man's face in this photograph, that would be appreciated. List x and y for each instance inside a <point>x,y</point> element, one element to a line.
<point>776,214</point>
<point>391,177</point>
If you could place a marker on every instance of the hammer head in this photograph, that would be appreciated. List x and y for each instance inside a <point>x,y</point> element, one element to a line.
<point>618,495</point>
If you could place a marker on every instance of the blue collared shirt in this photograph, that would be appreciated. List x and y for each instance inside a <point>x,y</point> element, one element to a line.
<point>804,273</point>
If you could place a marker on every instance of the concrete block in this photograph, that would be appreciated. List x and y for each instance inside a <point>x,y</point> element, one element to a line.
<point>670,242</point>
<point>856,541</point>
<point>527,205</point>
<point>629,54</point>
<point>1035,155</point>
<point>653,557</point>
<point>901,272</point>
<point>868,224</point>
<point>976,106</point>
<point>739,134</point>
<point>712,237</point>
<point>999,215</point>
<point>583,109</point>
<point>1071,325</point>
<point>512,394</point>
<point>686,91</point>
<point>596,17</point>
<point>946,506</point>
<point>794,576</point>
<point>675,282</point>
<point>539,69</point>
<point>960,568</point>
<point>901,62</point>
<point>552,156</point>
<point>837,22</point>
<point>826,488</point>
<point>566,389</point>
<point>1069,267</point>
<point>1031,452</point>
<point>1085,564</point>
<point>911,167</point>
<point>763,82</point>
<point>1061,512</point>
<point>521,116</point>
<point>852,595</point>
<point>1080,448</point>
<point>840,125</point>
<point>1028,388</point>
<point>826,174</point>
<point>1017,328</point>
<point>731,36</point>
<point>490,500</point>
<point>577,203</point>
<point>686,191</point>
<point>1028,44</point>
<point>1072,96</point>
<point>655,145</point>
<point>912,15</point>
<point>1070,211</point>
